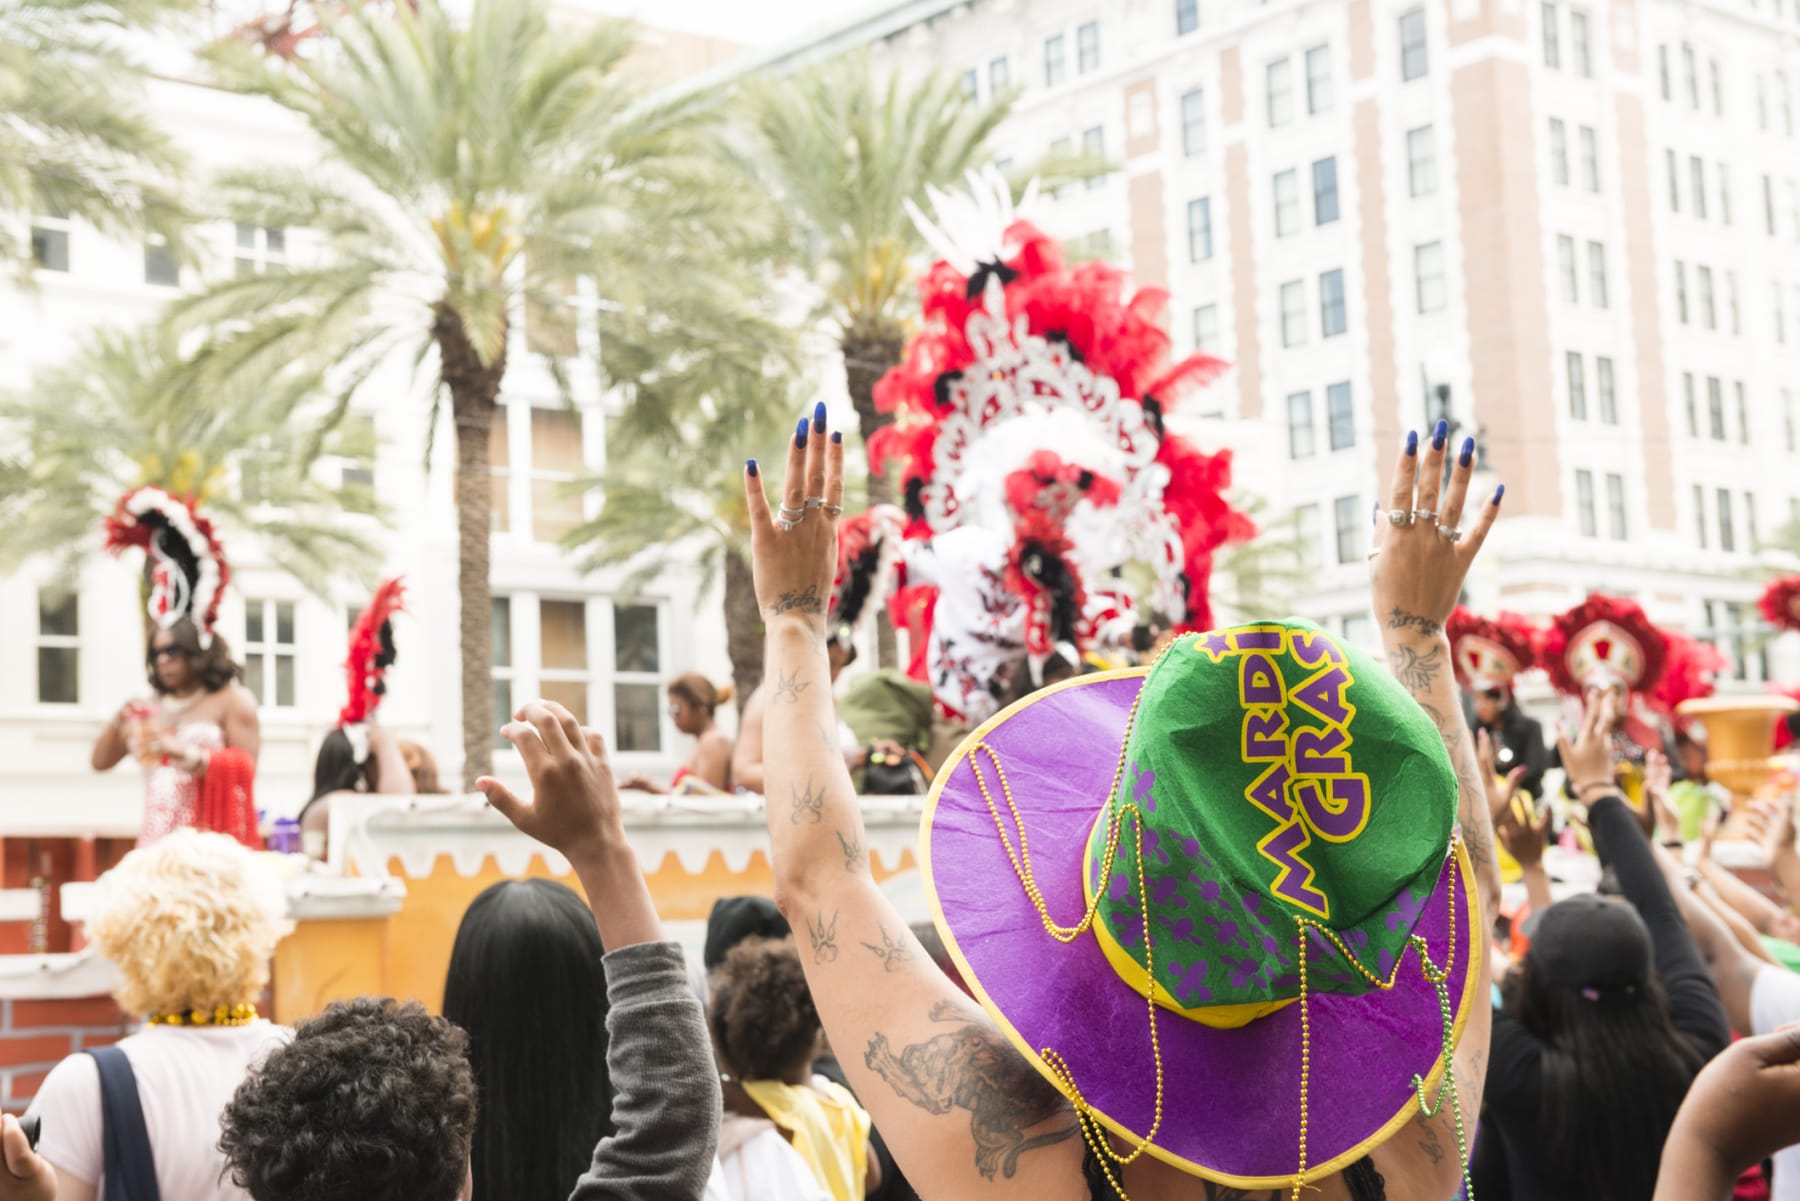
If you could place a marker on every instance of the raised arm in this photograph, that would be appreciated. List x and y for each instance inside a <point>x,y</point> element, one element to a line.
<point>961,1111</point>
<point>1417,571</point>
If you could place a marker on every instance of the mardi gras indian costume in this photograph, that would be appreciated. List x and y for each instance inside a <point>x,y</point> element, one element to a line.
<point>188,574</point>
<point>1048,507</point>
<point>1607,644</point>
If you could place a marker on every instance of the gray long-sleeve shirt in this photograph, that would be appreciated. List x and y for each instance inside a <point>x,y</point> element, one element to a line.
<point>665,1086</point>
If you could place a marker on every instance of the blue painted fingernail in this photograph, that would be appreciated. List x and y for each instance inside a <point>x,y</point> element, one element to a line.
<point>1498,493</point>
<point>750,466</point>
<point>1412,445</point>
<point>800,434</point>
<point>1375,513</point>
<point>1439,434</point>
<point>1468,452</point>
<point>837,437</point>
<point>819,418</point>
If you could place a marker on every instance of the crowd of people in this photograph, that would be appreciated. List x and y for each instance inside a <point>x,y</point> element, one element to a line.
<point>1175,1020</point>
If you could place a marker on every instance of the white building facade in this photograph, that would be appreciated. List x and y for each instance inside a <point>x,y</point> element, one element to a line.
<point>69,657</point>
<point>1572,229</point>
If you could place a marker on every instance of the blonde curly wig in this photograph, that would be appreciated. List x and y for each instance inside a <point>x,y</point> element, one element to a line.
<point>191,923</point>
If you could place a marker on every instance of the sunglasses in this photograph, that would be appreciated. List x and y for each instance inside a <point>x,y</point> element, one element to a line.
<point>158,653</point>
<point>1494,694</point>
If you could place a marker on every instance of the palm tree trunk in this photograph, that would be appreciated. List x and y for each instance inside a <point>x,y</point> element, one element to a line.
<point>474,388</point>
<point>743,627</point>
<point>870,348</point>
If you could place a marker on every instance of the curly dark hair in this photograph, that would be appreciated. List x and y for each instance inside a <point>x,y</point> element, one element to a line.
<point>762,1013</point>
<point>372,1099</point>
<point>213,667</point>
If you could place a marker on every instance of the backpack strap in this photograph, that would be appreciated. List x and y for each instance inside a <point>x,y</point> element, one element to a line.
<point>129,1166</point>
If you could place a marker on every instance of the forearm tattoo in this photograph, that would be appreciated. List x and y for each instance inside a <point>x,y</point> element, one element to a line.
<point>970,1067</point>
<point>856,851</point>
<point>893,951</point>
<point>809,803</point>
<point>1416,672</point>
<point>789,686</point>
<point>1400,619</point>
<point>808,602</point>
<point>823,935</point>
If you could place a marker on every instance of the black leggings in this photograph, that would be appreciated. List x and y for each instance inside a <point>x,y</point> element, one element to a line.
<point>1365,1182</point>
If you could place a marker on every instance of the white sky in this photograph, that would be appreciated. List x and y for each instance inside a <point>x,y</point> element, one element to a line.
<point>753,22</point>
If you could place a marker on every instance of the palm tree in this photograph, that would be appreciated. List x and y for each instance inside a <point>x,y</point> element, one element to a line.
<point>73,139</point>
<point>682,500</point>
<point>126,409</point>
<point>471,173</point>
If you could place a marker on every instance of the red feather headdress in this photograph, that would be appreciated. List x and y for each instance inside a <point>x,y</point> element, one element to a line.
<point>1489,652</point>
<point>372,653</point>
<point>1604,639</point>
<point>1781,603</point>
<point>1689,675</point>
<point>188,569</point>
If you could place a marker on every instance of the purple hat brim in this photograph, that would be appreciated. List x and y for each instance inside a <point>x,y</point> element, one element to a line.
<point>1231,1108</point>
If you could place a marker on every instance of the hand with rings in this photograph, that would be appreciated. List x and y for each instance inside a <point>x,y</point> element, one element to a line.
<point>1421,555</point>
<point>794,549</point>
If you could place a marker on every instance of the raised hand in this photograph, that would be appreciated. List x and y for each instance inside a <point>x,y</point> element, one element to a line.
<point>1524,833</point>
<point>1741,1109</point>
<point>1421,553</point>
<point>794,549</point>
<point>575,801</point>
<point>1588,760</point>
<point>1500,789</point>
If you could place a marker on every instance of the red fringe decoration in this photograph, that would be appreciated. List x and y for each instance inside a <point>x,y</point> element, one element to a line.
<point>227,799</point>
<point>1512,633</point>
<point>1689,675</point>
<point>1781,603</point>
<point>364,666</point>
<point>1627,615</point>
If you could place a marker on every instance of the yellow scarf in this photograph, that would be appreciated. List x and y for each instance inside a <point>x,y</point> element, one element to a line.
<point>830,1130</point>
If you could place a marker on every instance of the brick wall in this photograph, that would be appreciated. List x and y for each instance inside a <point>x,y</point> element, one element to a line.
<point>36,1035</point>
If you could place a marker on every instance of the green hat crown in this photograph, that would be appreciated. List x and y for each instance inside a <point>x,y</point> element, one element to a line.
<point>1282,781</point>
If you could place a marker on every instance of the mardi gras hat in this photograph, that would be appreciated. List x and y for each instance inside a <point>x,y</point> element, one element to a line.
<point>1219,901</point>
<point>1488,652</point>
<point>1604,641</point>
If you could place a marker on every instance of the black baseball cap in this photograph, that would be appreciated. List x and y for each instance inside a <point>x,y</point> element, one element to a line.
<point>1591,943</point>
<point>734,919</point>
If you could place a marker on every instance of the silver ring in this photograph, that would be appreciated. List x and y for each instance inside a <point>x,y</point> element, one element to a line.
<point>790,514</point>
<point>815,502</point>
<point>833,510</point>
<point>1424,514</point>
<point>1449,533</point>
<point>1400,518</point>
<point>786,526</point>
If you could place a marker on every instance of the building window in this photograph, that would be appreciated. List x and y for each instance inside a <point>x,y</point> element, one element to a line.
<point>1690,403</point>
<point>1674,173</point>
<point>1606,390</point>
<point>1055,67</point>
<point>1769,205</point>
<point>1697,185</point>
<point>1193,123</point>
<point>1308,537</point>
<point>269,652</point>
<point>359,432</point>
<point>1700,515</point>
<point>1703,286</point>
<point>556,460</point>
<point>1580,47</point>
<point>1318,79</point>
<point>563,674</point>
<point>1743,412</point>
<point>637,677</point>
<point>1428,276</point>
<point>1552,45</point>
<point>1727,533</point>
<point>1566,269</point>
<point>1280,89</point>
<point>1413,61</point>
<point>1087,47</point>
<point>1681,297</point>
<point>1780,314</point>
<point>259,248</point>
<point>1206,329</point>
<point>1597,290</point>
<point>1690,75</point>
<point>504,659</point>
<point>58,647</point>
<point>971,85</point>
<point>1421,161</point>
<point>999,77</point>
<point>1093,148</point>
<point>1325,191</point>
<point>1351,522</point>
<point>1301,443</point>
<point>1762,105</point>
<point>1333,319</point>
<point>160,267</point>
<point>1293,313</point>
<point>1662,66</point>
<point>1590,158</point>
<point>1731,302</point>
<point>1718,89</point>
<point>1752,540</point>
<point>1787,420</point>
<point>1559,153</point>
<point>1584,504</point>
<point>1577,386</point>
<point>1340,416</point>
<point>1615,506</point>
<point>1724,174</point>
<point>50,240</point>
<point>1787,103</point>
<point>1287,203</point>
<point>1199,217</point>
<point>1715,407</point>
<point>1187,16</point>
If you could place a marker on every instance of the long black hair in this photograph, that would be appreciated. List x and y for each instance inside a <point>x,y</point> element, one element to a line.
<point>213,666</point>
<point>526,982</point>
<point>336,768</point>
<point>1614,1070</point>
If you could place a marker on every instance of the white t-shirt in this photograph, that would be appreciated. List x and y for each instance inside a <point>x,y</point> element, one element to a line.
<point>1774,1002</point>
<point>756,1164</point>
<point>185,1078</point>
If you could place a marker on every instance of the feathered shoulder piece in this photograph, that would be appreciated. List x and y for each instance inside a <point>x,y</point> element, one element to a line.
<point>1781,603</point>
<point>372,653</point>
